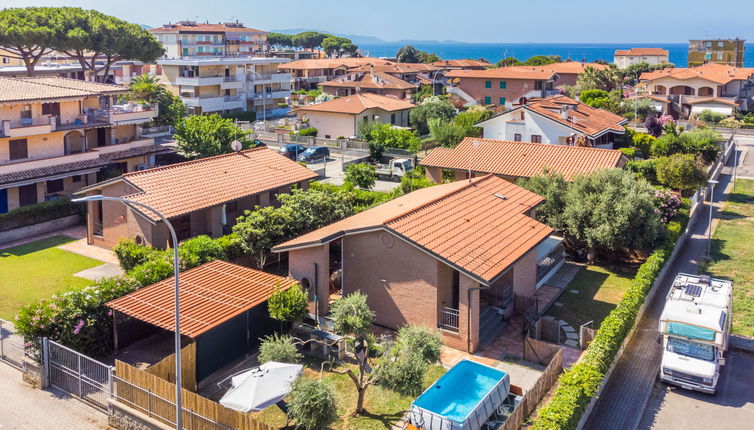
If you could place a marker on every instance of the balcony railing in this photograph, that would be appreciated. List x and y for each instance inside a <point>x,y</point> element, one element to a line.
<point>234,98</point>
<point>230,79</point>
<point>448,319</point>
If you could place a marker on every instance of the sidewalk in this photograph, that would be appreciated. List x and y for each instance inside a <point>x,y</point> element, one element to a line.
<point>626,393</point>
<point>24,407</point>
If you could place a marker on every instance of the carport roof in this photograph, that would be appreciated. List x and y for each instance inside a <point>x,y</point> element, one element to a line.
<point>210,294</point>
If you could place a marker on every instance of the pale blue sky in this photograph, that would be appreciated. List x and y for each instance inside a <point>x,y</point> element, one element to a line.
<point>576,21</point>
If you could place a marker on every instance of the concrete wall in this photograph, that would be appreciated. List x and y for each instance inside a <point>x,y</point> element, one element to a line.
<point>37,229</point>
<point>504,127</point>
<point>332,124</point>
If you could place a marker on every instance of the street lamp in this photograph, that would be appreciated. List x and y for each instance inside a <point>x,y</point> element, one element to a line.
<point>178,385</point>
<point>712,184</point>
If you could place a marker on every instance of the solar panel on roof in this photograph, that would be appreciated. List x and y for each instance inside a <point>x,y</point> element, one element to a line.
<point>694,290</point>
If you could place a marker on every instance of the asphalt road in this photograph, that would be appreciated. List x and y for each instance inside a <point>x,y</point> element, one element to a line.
<point>732,408</point>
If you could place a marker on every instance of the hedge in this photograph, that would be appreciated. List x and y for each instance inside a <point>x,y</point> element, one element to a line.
<point>39,212</point>
<point>580,383</point>
<point>250,115</point>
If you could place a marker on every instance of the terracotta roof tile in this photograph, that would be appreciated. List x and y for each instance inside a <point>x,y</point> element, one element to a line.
<point>729,102</point>
<point>182,188</point>
<point>210,294</point>
<point>390,67</point>
<point>204,28</point>
<point>50,88</point>
<point>526,72</point>
<point>468,63</point>
<point>584,118</point>
<point>358,103</point>
<point>522,159</point>
<point>718,73</point>
<point>640,51</point>
<point>329,63</point>
<point>438,220</point>
<point>376,80</point>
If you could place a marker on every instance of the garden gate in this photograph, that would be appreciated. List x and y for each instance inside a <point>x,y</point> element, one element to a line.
<point>11,344</point>
<point>78,374</point>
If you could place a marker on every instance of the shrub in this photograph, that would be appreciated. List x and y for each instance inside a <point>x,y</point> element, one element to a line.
<point>653,125</point>
<point>730,123</point>
<point>77,319</point>
<point>703,144</point>
<point>131,255</point>
<point>643,142</point>
<point>376,149</point>
<point>288,305</point>
<point>309,131</point>
<point>709,117</point>
<point>153,270</point>
<point>628,152</point>
<point>668,204</point>
<point>412,181</point>
<point>40,212</point>
<point>361,175</point>
<point>431,107</point>
<point>231,245</point>
<point>201,249</point>
<point>680,172</point>
<point>280,348</point>
<point>394,137</point>
<point>311,404</point>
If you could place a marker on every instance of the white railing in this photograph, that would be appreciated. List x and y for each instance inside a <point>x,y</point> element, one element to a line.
<point>448,319</point>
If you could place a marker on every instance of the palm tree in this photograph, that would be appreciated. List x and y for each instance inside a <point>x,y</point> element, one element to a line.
<point>146,89</point>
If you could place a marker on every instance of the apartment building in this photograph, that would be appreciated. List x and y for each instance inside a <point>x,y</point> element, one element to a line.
<point>229,84</point>
<point>502,86</point>
<point>192,39</point>
<point>59,135</point>
<point>720,51</point>
<point>627,57</point>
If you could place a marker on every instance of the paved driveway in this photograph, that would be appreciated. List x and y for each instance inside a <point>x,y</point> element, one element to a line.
<point>23,407</point>
<point>731,408</point>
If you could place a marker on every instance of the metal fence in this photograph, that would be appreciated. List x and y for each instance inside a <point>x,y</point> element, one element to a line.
<point>77,374</point>
<point>154,406</point>
<point>12,348</point>
<point>449,319</point>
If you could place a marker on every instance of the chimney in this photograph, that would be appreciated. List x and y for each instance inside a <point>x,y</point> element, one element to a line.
<point>564,112</point>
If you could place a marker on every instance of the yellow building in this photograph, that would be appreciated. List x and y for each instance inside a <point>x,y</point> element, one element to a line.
<point>719,51</point>
<point>58,135</point>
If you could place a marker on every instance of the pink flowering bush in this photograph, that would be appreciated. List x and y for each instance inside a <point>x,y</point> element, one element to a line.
<point>667,205</point>
<point>77,319</point>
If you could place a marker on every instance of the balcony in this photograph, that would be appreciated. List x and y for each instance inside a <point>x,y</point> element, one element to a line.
<point>268,96</point>
<point>126,114</point>
<point>27,127</point>
<point>232,82</point>
<point>197,81</point>
<point>312,79</point>
<point>211,104</point>
<point>268,78</point>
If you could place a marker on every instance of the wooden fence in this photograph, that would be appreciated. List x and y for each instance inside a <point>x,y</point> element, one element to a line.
<point>165,369</point>
<point>155,398</point>
<point>537,392</point>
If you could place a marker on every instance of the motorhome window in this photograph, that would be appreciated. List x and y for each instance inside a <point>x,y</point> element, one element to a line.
<point>691,349</point>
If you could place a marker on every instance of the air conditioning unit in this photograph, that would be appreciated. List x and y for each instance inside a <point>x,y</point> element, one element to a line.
<point>141,167</point>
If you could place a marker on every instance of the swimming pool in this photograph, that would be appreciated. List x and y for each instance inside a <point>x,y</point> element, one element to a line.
<point>463,398</point>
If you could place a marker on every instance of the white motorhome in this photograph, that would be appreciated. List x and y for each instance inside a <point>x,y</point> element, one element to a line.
<point>695,325</point>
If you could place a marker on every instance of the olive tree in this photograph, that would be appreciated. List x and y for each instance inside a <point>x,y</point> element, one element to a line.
<point>288,305</point>
<point>200,136</point>
<point>311,404</point>
<point>361,175</point>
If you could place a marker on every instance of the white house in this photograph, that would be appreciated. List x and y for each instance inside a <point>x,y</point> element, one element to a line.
<point>626,57</point>
<point>556,120</point>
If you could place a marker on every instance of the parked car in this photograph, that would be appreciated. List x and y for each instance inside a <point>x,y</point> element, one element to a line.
<point>292,150</point>
<point>257,144</point>
<point>315,153</point>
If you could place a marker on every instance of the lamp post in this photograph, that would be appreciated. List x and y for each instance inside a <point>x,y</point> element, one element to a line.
<point>712,184</point>
<point>178,385</point>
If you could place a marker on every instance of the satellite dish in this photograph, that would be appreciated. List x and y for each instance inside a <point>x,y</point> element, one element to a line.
<point>236,145</point>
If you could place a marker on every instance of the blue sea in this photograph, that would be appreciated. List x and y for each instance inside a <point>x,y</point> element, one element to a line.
<point>493,52</point>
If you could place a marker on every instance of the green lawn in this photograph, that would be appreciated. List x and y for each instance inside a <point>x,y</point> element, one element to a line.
<point>733,253</point>
<point>37,270</point>
<point>384,407</point>
<point>598,291</point>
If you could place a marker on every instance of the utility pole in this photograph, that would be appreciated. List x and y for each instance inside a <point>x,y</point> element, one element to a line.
<point>712,184</point>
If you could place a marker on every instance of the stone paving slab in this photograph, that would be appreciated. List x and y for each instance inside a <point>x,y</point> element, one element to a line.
<point>107,270</point>
<point>24,407</point>
<point>80,247</point>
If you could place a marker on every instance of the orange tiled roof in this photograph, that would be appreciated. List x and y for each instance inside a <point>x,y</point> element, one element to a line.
<point>329,63</point>
<point>204,28</point>
<point>182,188</point>
<point>503,73</point>
<point>358,103</point>
<point>566,67</point>
<point>439,220</point>
<point>583,118</point>
<point>729,102</point>
<point>460,63</point>
<point>522,159</point>
<point>49,87</point>
<point>210,294</point>
<point>390,67</point>
<point>718,73</point>
<point>640,51</point>
<point>376,80</point>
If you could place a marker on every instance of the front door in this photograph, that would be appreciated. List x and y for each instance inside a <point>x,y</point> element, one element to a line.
<point>3,200</point>
<point>101,136</point>
<point>27,195</point>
